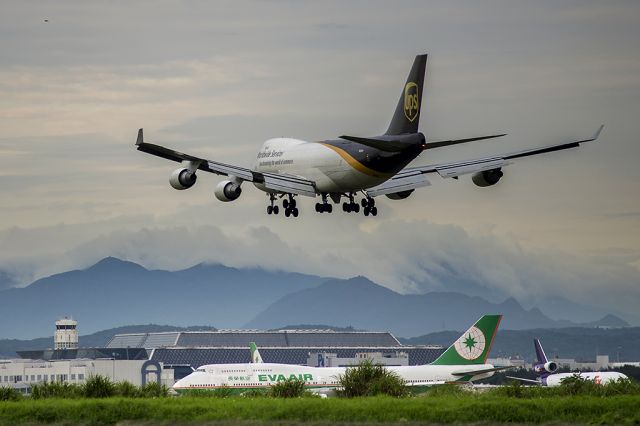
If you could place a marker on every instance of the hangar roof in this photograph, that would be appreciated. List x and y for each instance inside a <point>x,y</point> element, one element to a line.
<point>264,339</point>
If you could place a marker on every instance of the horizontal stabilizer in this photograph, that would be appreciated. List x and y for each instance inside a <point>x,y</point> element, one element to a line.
<point>479,371</point>
<point>382,145</point>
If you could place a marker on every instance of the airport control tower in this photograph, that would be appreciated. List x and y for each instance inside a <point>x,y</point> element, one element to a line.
<point>66,335</point>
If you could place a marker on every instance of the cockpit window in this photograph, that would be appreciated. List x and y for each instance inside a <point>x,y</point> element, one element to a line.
<point>200,370</point>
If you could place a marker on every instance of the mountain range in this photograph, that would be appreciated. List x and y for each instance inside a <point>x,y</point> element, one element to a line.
<point>114,292</point>
<point>364,304</point>
<point>580,343</point>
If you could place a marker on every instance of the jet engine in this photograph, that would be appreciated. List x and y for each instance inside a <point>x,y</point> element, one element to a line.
<point>400,195</point>
<point>227,191</point>
<point>183,179</point>
<point>547,367</point>
<point>488,177</point>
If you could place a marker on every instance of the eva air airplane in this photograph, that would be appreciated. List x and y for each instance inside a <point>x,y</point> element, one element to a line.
<point>349,166</point>
<point>462,362</point>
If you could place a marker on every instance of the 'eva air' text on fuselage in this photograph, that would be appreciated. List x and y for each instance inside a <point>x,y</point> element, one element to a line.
<point>279,377</point>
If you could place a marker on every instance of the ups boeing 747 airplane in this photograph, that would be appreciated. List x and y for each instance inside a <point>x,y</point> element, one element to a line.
<point>348,166</point>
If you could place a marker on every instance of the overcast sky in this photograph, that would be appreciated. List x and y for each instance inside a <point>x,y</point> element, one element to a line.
<point>216,79</point>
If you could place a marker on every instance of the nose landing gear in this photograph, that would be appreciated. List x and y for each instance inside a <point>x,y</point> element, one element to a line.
<point>271,208</point>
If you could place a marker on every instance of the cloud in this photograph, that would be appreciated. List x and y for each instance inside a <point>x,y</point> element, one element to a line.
<point>407,256</point>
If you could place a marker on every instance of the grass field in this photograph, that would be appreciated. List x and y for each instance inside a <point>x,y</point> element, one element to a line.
<point>470,408</point>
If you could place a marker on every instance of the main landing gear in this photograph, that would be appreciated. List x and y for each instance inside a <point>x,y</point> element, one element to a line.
<point>351,206</point>
<point>290,206</point>
<point>369,206</point>
<point>324,207</point>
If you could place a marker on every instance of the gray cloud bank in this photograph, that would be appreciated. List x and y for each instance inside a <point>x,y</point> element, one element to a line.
<point>430,257</point>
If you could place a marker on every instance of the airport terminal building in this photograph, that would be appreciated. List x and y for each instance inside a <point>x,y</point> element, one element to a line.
<point>169,356</point>
<point>186,350</point>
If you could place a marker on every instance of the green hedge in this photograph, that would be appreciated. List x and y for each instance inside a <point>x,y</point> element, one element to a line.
<point>441,409</point>
<point>97,387</point>
<point>369,379</point>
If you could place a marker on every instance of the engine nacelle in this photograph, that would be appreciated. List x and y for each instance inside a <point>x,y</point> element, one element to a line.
<point>227,191</point>
<point>547,367</point>
<point>488,177</point>
<point>400,195</point>
<point>182,179</point>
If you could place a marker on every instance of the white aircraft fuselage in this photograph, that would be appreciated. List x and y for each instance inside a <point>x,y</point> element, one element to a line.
<point>243,377</point>
<point>332,168</point>
<point>598,377</point>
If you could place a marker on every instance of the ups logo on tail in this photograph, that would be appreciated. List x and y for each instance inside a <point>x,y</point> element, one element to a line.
<point>411,104</point>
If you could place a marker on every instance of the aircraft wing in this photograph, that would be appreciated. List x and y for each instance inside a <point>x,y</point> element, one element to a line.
<point>275,181</point>
<point>400,182</point>
<point>455,169</point>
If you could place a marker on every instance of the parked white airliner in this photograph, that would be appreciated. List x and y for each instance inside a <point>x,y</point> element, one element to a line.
<point>463,362</point>
<point>547,376</point>
<point>344,167</point>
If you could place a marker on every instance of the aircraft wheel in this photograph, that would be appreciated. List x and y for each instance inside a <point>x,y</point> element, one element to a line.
<point>356,208</point>
<point>285,203</point>
<point>329,208</point>
<point>276,209</point>
<point>374,211</point>
<point>293,203</point>
<point>269,209</point>
<point>318,208</point>
<point>295,212</point>
<point>364,202</point>
<point>287,212</point>
<point>366,211</point>
<point>345,207</point>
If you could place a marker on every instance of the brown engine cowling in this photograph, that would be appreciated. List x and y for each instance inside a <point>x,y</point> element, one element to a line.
<point>400,195</point>
<point>488,177</point>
